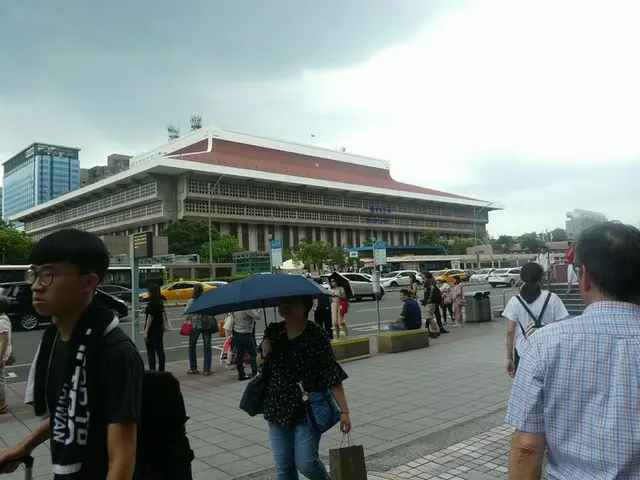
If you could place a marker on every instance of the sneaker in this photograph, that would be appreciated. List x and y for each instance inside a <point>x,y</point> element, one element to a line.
<point>243,378</point>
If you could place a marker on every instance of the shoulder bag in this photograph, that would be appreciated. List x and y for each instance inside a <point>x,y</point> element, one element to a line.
<point>321,409</point>
<point>253,397</point>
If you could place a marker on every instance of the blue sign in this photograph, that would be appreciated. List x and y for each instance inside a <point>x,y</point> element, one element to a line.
<point>377,220</point>
<point>275,244</point>
<point>374,209</point>
<point>380,245</point>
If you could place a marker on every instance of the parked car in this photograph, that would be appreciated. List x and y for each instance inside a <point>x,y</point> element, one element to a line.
<point>178,291</point>
<point>361,286</point>
<point>482,275</point>
<point>400,278</point>
<point>450,275</point>
<point>118,291</point>
<point>23,316</point>
<point>504,276</point>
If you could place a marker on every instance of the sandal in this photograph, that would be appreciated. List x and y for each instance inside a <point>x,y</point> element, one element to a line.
<point>4,410</point>
<point>206,373</point>
<point>192,371</point>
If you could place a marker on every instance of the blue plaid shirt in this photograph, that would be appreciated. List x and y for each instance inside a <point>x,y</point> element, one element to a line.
<point>578,383</point>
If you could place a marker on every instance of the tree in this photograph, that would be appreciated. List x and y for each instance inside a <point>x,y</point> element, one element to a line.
<point>314,254</point>
<point>173,132</point>
<point>367,242</point>
<point>223,247</point>
<point>196,122</point>
<point>14,245</point>
<point>530,242</point>
<point>559,235</point>
<point>430,237</point>
<point>187,236</point>
<point>503,244</point>
<point>338,258</point>
<point>459,245</point>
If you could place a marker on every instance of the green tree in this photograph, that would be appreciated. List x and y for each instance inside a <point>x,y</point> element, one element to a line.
<point>314,254</point>
<point>459,245</point>
<point>224,246</point>
<point>430,237</point>
<point>559,235</point>
<point>530,242</point>
<point>367,242</point>
<point>188,236</point>
<point>15,245</point>
<point>503,244</point>
<point>338,258</point>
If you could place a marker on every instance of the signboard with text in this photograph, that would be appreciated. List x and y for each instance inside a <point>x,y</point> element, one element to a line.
<point>276,253</point>
<point>142,245</point>
<point>380,253</point>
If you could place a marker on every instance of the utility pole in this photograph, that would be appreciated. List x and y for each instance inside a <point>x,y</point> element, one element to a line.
<point>475,230</point>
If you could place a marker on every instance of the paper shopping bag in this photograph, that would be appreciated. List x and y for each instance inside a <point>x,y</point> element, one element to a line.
<point>347,463</point>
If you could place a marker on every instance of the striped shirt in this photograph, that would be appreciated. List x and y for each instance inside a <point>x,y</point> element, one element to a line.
<point>578,384</point>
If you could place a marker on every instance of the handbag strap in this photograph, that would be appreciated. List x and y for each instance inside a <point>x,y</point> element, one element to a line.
<point>537,321</point>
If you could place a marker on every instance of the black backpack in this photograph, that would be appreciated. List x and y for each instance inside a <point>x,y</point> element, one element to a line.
<point>537,321</point>
<point>163,452</point>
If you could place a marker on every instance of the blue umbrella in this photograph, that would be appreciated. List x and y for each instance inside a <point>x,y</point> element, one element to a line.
<point>258,291</point>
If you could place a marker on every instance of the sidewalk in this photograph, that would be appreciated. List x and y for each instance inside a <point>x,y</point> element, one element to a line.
<point>405,409</point>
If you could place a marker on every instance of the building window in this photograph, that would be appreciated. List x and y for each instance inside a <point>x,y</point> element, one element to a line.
<point>296,236</point>
<point>286,243</point>
<point>244,242</point>
<point>318,234</point>
<point>262,244</point>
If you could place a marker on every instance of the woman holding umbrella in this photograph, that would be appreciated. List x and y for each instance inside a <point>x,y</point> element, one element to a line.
<point>300,359</point>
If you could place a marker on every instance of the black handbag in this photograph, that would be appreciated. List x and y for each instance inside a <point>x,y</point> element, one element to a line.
<point>253,397</point>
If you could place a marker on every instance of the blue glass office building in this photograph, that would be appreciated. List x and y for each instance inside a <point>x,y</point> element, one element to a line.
<point>38,174</point>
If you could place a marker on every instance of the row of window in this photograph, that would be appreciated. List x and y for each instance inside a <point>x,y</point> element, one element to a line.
<point>289,195</point>
<point>109,221</point>
<point>143,191</point>
<point>234,210</point>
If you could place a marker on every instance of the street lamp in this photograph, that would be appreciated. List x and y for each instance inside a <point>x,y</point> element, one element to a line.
<point>210,228</point>
<point>475,230</point>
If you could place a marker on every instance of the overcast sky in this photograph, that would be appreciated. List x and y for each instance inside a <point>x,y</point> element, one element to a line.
<point>534,105</point>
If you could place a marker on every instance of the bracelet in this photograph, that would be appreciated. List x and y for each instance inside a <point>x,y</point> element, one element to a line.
<point>344,413</point>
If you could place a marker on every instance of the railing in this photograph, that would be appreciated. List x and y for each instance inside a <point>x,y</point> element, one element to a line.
<point>504,293</point>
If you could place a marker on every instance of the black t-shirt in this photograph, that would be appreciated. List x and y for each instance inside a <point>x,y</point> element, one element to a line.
<point>436,294</point>
<point>155,310</point>
<point>118,398</point>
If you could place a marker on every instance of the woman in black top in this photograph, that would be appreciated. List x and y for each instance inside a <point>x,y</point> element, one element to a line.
<point>298,351</point>
<point>154,328</point>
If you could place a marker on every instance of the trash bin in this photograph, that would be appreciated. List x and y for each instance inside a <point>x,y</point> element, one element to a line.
<point>473,308</point>
<point>478,307</point>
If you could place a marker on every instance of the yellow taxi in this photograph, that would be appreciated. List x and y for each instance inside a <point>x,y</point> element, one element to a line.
<point>450,275</point>
<point>180,291</point>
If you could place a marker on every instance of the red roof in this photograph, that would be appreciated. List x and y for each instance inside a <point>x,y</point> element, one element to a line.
<point>249,157</point>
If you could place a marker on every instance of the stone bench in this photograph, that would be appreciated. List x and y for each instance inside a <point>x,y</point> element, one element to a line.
<point>401,341</point>
<point>351,348</point>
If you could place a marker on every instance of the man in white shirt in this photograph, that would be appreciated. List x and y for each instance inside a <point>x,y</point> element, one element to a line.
<point>544,260</point>
<point>5,351</point>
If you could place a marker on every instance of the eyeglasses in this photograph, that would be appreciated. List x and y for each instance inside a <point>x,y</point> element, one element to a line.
<point>45,277</point>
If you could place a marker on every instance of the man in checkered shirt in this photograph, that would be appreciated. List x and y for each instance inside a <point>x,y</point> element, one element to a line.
<point>577,389</point>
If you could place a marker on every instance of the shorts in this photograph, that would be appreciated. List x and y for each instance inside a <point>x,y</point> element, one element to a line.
<point>430,311</point>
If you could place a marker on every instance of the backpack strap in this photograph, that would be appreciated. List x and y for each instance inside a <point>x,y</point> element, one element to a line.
<point>536,321</point>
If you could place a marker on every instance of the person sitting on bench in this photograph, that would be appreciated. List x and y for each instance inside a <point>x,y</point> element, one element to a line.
<point>411,316</point>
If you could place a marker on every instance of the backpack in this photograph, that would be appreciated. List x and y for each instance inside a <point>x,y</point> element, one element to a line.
<point>537,322</point>
<point>163,450</point>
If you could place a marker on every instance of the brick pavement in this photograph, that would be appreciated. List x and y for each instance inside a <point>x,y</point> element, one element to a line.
<point>398,403</point>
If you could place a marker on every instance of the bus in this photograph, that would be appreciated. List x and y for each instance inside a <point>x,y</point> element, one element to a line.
<point>117,275</point>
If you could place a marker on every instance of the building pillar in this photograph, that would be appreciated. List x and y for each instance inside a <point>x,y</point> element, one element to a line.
<point>253,237</point>
<point>323,235</point>
<point>225,228</point>
<point>291,239</point>
<point>277,234</point>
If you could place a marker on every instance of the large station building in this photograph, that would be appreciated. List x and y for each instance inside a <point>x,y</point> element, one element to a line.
<point>252,187</point>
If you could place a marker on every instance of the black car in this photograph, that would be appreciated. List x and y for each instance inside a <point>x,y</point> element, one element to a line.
<point>123,293</point>
<point>23,315</point>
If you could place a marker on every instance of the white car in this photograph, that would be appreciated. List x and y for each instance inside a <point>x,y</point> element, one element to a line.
<point>361,286</point>
<point>504,276</point>
<point>482,275</point>
<point>399,278</point>
<point>216,283</point>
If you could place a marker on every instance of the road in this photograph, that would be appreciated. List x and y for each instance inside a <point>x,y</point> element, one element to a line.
<point>362,320</point>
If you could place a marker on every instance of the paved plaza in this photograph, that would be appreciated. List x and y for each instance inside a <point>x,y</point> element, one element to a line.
<point>431,413</point>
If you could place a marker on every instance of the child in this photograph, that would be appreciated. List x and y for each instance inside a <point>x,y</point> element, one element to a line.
<point>5,351</point>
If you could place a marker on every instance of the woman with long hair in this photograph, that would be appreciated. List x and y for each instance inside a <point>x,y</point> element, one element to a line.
<point>202,325</point>
<point>529,310</point>
<point>456,296</point>
<point>300,360</point>
<point>339,308</point>
<point>413,286</point>
<point>154,328</point>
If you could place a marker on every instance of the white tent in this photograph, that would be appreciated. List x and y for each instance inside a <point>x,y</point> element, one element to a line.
<point>291,265</point>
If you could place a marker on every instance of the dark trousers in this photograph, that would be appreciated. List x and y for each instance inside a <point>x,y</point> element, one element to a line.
<point>323,319</point>
<point>438,318</point>
<point>445,307</point>
<point>155,347</point>
<point>245,344</point>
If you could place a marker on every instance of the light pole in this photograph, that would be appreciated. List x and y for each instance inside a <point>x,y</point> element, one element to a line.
<point>475,230</point>
<point>210,228</point>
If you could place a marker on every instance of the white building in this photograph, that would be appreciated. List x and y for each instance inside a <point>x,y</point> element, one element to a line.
<point>579,220</point>
<point>253,187</point>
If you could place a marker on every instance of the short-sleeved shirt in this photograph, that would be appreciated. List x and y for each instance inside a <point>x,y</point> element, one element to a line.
<point>307,358</point>
<point>5,327</point>
<point>155,310</point>
<point>577,384</point>
<point>118,397</point>
<point>515,312</point>
<point>412,314</point>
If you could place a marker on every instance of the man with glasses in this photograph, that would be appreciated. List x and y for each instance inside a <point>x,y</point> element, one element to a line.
<point>86,379</point>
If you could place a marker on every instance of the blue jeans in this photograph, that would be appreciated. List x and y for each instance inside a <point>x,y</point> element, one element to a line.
<point>245,343</point>
<point>206,341</point>
<point>397,326</point>
<point>296,450</point>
